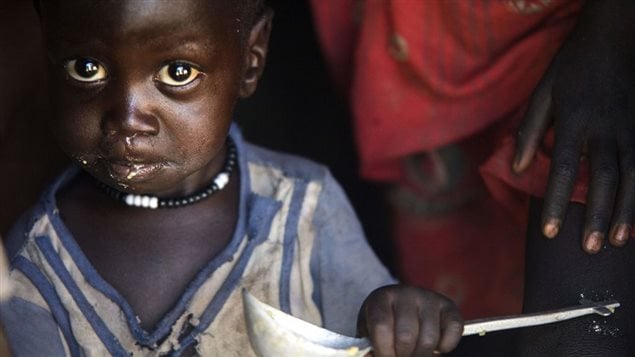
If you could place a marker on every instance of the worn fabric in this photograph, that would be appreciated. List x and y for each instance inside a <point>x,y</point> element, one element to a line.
<point>297,246</point>
<point>5,283</point>
<point>425,74</point>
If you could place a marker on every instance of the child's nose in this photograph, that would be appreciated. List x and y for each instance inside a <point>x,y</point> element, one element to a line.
<point>133,113</point>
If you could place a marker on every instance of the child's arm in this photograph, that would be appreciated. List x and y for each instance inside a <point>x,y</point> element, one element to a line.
<point>31,330</point>
<point>407,321</point>
<point>343,265</point>
<point>349,275</point>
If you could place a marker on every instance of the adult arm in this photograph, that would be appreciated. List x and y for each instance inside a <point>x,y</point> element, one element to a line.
<point>588,96</point>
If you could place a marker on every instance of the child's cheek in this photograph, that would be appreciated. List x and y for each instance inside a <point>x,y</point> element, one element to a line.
<point>77,132</point>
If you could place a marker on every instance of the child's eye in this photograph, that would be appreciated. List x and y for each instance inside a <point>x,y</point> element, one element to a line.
<point>85,70</point>
<point>177,74</point>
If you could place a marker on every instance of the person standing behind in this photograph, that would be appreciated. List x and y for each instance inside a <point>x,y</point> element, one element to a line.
<point>439,91</point>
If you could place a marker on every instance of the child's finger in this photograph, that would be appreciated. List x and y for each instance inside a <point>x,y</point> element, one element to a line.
<point>380,327</point>
<point>451,330</point>
<point>406,329</point>
<point>429,331</point>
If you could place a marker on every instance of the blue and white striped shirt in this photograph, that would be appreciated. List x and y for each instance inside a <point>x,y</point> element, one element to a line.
<point>297,246</point>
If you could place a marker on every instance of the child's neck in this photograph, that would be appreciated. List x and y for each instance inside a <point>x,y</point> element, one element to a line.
<point>149,256</point>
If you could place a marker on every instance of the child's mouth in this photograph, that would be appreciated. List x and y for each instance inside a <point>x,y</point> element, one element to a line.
<point>133,172</point>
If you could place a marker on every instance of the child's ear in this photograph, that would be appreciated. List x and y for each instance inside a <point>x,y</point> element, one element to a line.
<point>256,54</point>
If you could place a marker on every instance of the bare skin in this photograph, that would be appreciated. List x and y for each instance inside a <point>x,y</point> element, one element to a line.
<point>149,257</point>
<point>403,320</point>
<point>588,97</point>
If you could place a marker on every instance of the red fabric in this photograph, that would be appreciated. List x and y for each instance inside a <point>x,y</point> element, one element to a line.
<point>437,89</point>
<point>472,252</point>
<point>468,65</point>
<point>474,256</point>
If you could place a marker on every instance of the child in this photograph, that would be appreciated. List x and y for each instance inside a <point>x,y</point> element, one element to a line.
<point>143,250</point>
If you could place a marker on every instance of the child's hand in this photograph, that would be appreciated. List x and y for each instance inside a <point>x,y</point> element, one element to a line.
<point>588,92</point>
<point>401,320</point>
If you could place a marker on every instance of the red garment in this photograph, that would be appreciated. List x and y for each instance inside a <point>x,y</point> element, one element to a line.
<point>424,74</point>
<point>437,89</point>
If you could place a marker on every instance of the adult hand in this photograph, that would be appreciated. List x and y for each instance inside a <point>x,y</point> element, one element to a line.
<point>401,321</point>
<point>588,96</point>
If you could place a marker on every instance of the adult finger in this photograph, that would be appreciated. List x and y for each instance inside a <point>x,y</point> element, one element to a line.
<point>601,196</point>
<point>406,335</point>
<point>625,206</point>
<point>534,124</point>
<point>562,176</point>
<point>451,330</point>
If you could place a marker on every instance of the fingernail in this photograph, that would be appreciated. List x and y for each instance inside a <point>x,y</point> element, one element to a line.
<point>621,234</point>
<point>593,242</point>
<point>516,163</point>
<point>552,227</point>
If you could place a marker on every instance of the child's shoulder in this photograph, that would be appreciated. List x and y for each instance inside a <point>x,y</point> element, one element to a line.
<point>263,161</point>
<point>287,177</point>
<point>18,234</point>
<point>40,219</point>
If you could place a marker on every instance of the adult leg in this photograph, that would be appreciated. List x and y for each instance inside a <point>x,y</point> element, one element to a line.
<point>558,273</point>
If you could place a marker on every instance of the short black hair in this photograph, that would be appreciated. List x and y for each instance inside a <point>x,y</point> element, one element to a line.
<point>249,10</point>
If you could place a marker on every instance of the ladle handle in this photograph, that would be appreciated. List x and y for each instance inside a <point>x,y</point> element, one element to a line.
<point>483,326</point>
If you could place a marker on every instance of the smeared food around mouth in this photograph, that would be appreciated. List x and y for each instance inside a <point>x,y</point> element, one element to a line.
<point>133,172</point>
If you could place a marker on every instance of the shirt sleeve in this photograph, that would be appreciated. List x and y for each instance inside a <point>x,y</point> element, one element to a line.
<point>31,330</point>
<point>343,265</point>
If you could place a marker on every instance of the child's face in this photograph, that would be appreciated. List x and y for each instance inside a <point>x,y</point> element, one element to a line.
<point>143,91</point>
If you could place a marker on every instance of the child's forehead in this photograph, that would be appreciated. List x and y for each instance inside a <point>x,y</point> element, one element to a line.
<point>130,17</point>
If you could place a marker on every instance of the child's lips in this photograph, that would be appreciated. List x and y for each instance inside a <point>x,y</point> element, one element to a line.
<point>133,172</point>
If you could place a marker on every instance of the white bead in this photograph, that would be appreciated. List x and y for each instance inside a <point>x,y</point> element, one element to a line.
<point>145,201</point>
<point>137,200</point>
<point>154,202</point>
<point>130,200</point>
<point>221,180</point>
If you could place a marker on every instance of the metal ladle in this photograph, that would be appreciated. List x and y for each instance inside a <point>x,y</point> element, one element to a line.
<point>275,333</point>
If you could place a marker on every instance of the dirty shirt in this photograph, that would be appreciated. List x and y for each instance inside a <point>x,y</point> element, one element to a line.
<point>297,246</point>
